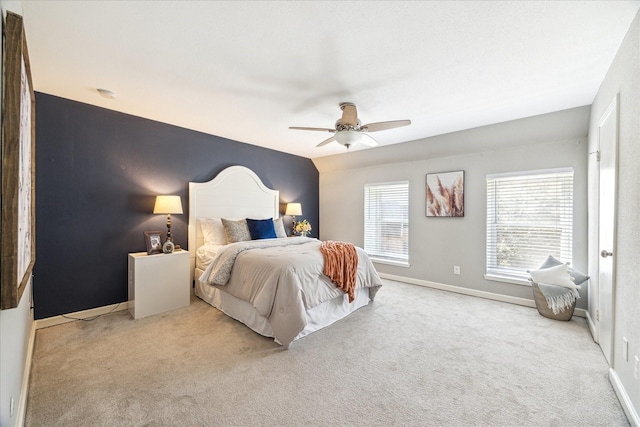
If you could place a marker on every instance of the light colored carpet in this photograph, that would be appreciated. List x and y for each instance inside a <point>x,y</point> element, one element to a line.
<point>415,356</point>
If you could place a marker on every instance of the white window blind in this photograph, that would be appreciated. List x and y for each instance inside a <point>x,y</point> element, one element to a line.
<point>529,216</point>
<point>386,222</point>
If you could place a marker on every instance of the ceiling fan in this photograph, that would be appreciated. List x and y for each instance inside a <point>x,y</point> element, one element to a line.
<point>349,130</point>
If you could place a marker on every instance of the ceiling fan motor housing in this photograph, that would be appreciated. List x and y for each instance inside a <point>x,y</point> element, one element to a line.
<point>340,126</point>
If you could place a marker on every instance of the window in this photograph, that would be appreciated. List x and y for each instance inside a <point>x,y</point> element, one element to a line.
<point>386,222</point>
<point>529,216</point>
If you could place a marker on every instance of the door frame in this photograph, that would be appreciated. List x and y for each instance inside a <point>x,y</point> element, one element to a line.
<point>614,107</point>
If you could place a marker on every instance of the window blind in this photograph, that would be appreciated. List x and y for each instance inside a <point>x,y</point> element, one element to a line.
<point>386,221</point>
<point>529,216</point>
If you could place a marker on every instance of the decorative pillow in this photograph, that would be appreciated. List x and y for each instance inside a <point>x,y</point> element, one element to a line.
<point>213,231</point>
<point>577,277</point>
<point>261,229</point>
<point>236,231</point>
<point>278,225</point>
<point>557,275</point>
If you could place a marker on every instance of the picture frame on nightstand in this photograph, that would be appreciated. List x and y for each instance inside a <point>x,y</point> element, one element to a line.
<point>153,240</point>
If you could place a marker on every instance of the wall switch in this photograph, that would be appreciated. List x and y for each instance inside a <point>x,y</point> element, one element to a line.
<point>625,349</point>
<point>456,269</point>
<point>11,407</point>
<point>636,366</point>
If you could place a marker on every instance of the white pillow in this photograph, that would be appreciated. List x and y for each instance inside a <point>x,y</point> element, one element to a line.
<point>213,231</point>
<point>558,275</point>
<point>278,225</point>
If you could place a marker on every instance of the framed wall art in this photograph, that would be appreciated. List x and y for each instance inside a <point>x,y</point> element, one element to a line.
<point>18,165</point>
<point>445,194</point>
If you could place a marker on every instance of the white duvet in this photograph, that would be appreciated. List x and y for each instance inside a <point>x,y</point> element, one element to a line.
<point>281,278</point>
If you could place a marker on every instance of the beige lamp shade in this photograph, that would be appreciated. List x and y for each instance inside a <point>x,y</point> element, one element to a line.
<point>293,209</point>
<point>168,205</point>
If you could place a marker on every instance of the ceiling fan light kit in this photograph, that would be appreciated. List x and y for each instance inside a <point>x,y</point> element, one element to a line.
<point>349,130</point>
<point>348,137</point>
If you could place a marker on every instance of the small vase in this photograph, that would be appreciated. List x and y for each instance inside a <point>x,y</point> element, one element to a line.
<point>168,247</point>
<point>304,233</point>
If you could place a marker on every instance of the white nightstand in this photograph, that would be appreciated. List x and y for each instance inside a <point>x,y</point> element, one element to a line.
<point>158,283</point>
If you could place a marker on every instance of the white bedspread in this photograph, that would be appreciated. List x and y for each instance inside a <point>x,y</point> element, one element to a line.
<point>281,278</point>
<point>205,254</point>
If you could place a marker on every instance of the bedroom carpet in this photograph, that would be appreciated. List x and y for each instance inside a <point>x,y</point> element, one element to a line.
<point>415,356</point>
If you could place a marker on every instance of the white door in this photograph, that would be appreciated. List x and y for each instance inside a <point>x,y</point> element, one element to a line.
<point>608,142</point>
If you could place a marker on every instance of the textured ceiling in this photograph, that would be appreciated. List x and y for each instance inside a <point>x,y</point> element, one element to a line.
<point>249,70</point>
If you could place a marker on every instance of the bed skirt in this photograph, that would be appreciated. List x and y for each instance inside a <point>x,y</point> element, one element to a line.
<point>317,317</point>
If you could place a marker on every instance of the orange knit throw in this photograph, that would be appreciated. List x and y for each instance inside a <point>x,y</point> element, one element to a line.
<point>340,265</point>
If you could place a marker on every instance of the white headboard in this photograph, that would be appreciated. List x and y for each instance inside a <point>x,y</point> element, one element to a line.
<point>235,193</point>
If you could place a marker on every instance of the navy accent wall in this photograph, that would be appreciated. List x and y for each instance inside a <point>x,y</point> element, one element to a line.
<point>97,175</point>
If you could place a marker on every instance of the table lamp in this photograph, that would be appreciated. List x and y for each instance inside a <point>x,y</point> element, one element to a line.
<point>293,209</point>
<point>168,205</point>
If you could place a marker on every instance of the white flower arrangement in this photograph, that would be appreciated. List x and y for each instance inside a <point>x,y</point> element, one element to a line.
<point>303,227</point>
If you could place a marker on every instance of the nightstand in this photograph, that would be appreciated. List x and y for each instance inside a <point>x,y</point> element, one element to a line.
<point>158,283</point>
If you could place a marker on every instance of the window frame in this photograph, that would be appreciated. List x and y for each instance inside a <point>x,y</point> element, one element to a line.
<point>519,275</point>
<point>376,253</point>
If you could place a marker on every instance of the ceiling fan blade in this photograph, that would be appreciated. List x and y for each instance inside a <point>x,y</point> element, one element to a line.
<point>375,127</point>
<point>368,140</point>
<point>349,114</point>
<point>326,141</point>
<point>305,128</point>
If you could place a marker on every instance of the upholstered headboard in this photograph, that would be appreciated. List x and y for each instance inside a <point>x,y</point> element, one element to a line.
<point>235,193</point>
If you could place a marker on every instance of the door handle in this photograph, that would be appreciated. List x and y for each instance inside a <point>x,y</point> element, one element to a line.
<point>605,254</point>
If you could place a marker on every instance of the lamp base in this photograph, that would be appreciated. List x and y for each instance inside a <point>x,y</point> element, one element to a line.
<point>169,238</point>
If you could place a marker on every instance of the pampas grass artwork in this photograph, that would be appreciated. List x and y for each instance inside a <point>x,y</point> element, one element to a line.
<point>445,194</point>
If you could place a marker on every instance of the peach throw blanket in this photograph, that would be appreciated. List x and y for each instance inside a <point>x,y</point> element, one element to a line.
<point>340,265</point>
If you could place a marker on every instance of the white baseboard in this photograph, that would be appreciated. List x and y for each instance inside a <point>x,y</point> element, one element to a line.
<point>472,292</point>
<point>592,329</point>
<point>24,390</point>
<point>81,315</point>
<point>624,399</point>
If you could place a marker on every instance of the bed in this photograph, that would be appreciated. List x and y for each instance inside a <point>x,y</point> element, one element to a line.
<point>275,286</point>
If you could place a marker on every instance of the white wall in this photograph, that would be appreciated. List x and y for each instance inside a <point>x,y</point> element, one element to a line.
<point>15,328</point>
<point>622,78</point>
<point>437,244</point>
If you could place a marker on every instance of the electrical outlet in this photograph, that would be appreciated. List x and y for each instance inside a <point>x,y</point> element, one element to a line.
<point>625,349</point>
<point>456,269</point>
<point>11,407</point>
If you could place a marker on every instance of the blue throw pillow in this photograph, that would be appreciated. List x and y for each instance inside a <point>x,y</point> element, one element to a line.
<point>261,228</point>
